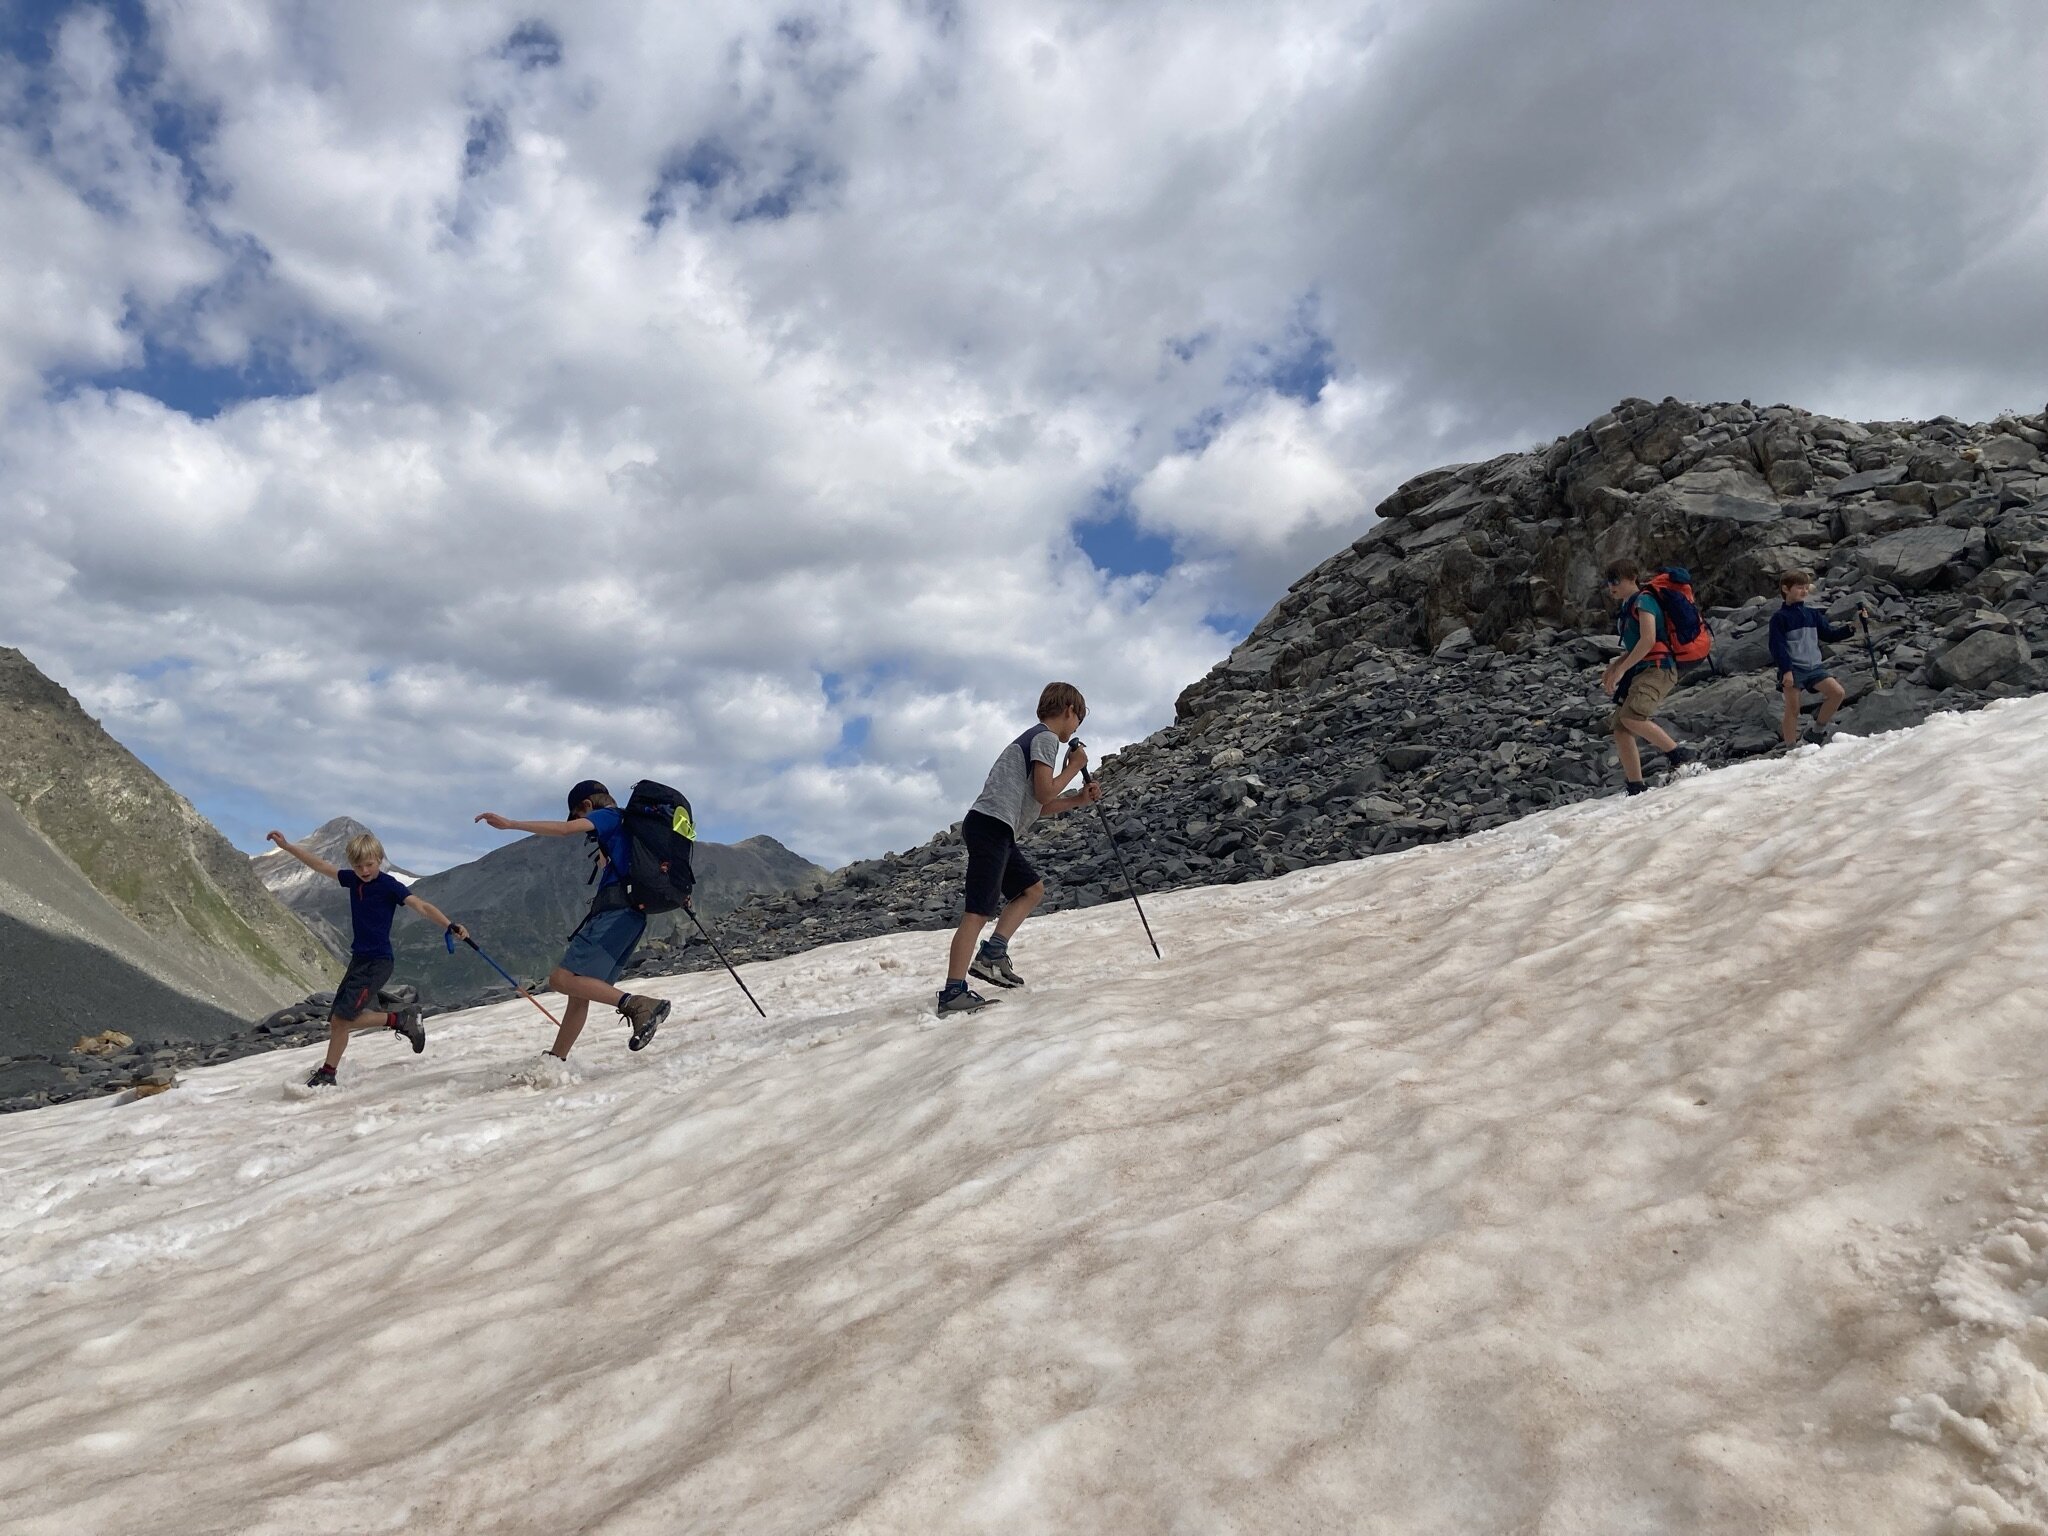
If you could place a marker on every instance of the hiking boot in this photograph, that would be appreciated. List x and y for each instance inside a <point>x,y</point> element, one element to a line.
<point>957,999</point>
<point>323,1077</point>
<point>996,968</point>
<point>1684,763</point>
<point>407,1022</point>
<point>1633,786</point>
<point>645,1015</point>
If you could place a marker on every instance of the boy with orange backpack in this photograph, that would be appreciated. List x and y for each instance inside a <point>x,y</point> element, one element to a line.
<point>1642,677</point>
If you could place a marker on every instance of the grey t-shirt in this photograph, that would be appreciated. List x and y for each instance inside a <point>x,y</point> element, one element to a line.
<point>1008,795</point>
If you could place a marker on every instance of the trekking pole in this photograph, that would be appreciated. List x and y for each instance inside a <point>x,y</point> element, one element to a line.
<point>449,939</point>
<point>1129,884</point>
<point>723,961</point>
<point>1876,677</point>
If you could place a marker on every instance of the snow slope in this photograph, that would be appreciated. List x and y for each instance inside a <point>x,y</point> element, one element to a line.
<point>1674,1165</point>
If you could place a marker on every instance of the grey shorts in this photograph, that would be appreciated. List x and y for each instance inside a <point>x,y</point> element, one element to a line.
<point>1810,677</point>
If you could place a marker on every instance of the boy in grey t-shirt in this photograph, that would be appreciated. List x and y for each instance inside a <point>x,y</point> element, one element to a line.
<point>1025,783</point>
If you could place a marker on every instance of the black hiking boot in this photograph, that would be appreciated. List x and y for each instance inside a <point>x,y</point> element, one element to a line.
<point>957,999</point>
<point>994,966</point>
<point>406,1022</point>
<point>1684,762</point>
<point>645,1015</point>
<point>1633,786</point>
<point>323,1077</point>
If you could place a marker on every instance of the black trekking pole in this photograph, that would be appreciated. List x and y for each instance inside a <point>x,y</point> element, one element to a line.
<point>1870,648</point>
<point>721,958</point>
<point>1129,884</point>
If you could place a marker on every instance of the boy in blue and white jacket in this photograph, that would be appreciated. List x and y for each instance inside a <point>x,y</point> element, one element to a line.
<point>1796,635</point>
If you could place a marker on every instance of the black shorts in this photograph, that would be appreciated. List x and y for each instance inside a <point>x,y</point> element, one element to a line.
<point>997,870</point>
<point>360,985</point>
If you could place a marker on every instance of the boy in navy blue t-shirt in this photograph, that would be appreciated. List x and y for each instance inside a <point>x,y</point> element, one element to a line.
<point>605,939</point>
<point>374,899</point>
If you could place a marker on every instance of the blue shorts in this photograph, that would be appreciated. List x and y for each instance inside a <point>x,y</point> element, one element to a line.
<point>604,943</point>
<point>1809,677</point>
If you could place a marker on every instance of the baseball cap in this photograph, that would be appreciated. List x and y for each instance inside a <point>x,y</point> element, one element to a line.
<point>586,790</point>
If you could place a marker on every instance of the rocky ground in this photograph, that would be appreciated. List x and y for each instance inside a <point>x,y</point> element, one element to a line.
<point>1440,676</point>
<point>117,1062</point>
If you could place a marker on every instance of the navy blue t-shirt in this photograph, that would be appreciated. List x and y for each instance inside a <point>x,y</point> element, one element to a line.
<point>610,826</point>
<point>372,907</point>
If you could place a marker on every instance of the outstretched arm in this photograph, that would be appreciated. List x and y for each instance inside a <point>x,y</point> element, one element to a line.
<point>435,915</point>
<point>312,861</point>
<point>537,828</point>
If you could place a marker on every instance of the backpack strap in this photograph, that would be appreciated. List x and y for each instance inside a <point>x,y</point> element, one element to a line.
<point>1024,742</point>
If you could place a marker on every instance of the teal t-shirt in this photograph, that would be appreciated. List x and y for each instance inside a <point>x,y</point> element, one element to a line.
<point>1632,628</point>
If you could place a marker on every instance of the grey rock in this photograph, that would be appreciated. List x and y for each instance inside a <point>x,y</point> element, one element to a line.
<point>1868,480</point>
<point>1406,759</point>
<point>1981,658</point>
<point>2007,452</point>
<point>1913,559</point>
<point>1894,708</point>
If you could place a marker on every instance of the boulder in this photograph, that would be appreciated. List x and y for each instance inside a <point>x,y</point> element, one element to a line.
<point>1868,480</point>
<point>2007,452</point>
<point>1895,708</point>
<point>1981,658</point>
<point>1913,559</point>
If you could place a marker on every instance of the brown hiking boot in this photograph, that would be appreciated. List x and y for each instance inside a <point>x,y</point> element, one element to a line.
<point>645,1015</point>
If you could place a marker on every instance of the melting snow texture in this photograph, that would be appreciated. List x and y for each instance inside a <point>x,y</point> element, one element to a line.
<point>1673,1165</point>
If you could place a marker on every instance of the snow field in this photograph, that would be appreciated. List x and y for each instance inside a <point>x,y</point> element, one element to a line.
<point>1672,1165</point>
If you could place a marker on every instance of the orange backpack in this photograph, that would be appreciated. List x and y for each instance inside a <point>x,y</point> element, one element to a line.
<point>1688,636</point>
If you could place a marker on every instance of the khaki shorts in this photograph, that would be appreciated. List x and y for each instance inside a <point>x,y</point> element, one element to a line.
<point>1646,695</point>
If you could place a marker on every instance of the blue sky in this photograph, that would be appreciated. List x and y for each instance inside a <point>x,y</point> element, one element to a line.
<point>412,408</point>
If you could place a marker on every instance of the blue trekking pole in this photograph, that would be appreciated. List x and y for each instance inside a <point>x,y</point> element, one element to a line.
<point>1129,884</point>
<point>449,939</point>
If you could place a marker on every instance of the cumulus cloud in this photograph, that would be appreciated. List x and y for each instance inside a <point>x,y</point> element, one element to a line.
<point>725,393</point>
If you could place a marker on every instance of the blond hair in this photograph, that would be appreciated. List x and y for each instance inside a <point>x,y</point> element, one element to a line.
<point>1059,698</point>
<point>362,849</point>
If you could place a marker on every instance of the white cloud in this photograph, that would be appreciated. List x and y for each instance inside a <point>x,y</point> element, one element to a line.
<point>1280,482</point>
<point>732,382</point>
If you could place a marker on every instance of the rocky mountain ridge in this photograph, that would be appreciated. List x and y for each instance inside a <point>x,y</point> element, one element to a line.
<point>146,850</point>
<point>1439,675</point>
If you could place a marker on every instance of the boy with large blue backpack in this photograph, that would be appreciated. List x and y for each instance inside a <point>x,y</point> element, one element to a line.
<point>643,855</point>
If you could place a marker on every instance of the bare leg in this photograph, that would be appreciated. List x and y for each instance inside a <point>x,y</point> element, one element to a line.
<point>1651,732</point>
<point>1017,909</point>
<point>572,1026</point>
<point>338,1031</point>
<point>964,937</point>
<point>1788,728</point>
<point>1631,759</point>
<point>1831,695</point>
